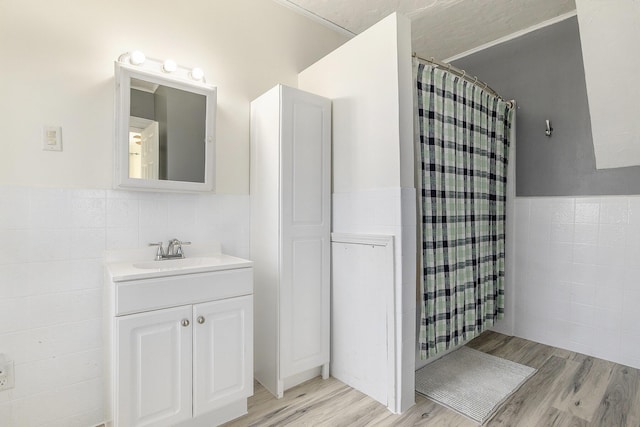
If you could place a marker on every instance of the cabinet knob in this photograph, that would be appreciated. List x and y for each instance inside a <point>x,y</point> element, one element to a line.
<point>185,322</point>
<point>200,319</point>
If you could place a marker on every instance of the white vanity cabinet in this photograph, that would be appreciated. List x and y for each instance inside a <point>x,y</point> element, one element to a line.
<point>181,350</point>
<point>290,235</point>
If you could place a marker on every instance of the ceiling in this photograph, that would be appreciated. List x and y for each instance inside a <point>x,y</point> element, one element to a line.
<point>440,28</point>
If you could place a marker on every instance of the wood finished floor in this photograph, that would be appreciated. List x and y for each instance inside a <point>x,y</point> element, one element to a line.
<point>569,389</point>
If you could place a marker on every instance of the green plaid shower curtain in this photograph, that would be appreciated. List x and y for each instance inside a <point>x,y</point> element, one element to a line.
<point>464,148</point>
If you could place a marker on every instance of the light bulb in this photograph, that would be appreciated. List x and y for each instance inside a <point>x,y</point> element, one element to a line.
<point>169,66</point>
<point>197,74</point>
<point>137,57</point>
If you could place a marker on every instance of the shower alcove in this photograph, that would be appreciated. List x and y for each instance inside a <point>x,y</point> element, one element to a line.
<point>369,80</point>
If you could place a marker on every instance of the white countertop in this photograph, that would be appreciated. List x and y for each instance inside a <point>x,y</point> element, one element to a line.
<point>136,267</point>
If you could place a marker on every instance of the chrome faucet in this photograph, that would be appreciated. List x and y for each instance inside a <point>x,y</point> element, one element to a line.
<point>174,250</point>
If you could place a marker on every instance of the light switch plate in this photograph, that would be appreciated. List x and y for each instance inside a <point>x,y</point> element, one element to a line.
<point>52,138</point>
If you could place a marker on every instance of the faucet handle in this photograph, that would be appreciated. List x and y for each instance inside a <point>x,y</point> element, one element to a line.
<point>179,250</point>
<point>160,252</point>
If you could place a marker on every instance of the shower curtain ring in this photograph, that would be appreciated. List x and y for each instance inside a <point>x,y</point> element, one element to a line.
<point>449,67</point>
<point>475,79</point>
<point>463,73</point>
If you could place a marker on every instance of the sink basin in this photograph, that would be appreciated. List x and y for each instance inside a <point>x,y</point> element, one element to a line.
<point>177,263</point>
<point>134,270</point>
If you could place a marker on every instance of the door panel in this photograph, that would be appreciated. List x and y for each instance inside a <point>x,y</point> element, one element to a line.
<point>154,375</point>
<point>150,153</point>
<point>223,353</point>
<point>305,349</point>
<point>307,165</point>
<point>305,224</point>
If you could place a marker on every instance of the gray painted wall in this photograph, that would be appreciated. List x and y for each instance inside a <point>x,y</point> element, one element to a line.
<point>182,117</point>
<point>142,104</point>
<point>543,72</point>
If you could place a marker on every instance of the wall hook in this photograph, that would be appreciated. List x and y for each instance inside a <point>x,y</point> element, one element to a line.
<point>549,130</point>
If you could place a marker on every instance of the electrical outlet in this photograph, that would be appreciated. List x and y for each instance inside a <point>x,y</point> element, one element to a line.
<point>7,379</point>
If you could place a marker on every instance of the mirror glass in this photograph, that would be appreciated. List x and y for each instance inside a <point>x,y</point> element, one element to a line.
<point>165,133</point>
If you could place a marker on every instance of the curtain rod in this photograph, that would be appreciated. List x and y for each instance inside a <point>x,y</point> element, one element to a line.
<point>463,74</point>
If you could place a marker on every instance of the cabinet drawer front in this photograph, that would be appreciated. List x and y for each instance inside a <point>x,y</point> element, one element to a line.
<point>151,294</point>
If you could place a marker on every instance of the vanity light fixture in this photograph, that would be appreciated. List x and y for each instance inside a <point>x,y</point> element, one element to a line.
<point>196,74</point>
<point>169,66</point>
<point>134,58</point>
<point>137,58</point>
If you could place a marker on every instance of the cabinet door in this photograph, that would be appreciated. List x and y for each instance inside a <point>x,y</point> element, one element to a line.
<point>306,226</point>
<point>223,353</point>
<point>153,365</point>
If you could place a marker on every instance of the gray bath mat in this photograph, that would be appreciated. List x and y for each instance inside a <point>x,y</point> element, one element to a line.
<point>471,382</point>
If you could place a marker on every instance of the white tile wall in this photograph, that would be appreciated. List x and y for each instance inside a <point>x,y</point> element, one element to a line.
<point>577,267</point>
<point>51,277</point>
<point>578,274</point>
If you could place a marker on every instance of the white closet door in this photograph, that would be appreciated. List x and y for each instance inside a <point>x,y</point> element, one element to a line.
<point>305,224</point>
<point>154,368</point>
<point>150,153</point>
